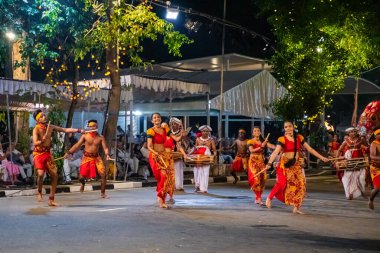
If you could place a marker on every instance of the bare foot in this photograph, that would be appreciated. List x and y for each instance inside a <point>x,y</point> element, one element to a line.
<point>350,197</point>
<point>268,203</point>
<point>52,203</point>
<point>81,188</point>
<point>371,205</point>
<point>104,196</point>
<point>39,197</point>
<point>161,203</point>
<point>297,211</point>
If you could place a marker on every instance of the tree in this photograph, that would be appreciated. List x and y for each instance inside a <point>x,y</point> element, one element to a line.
<point>318,44</point>
<point>120,28</point>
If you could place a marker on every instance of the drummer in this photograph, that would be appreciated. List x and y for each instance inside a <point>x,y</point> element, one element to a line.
<point>353,180</point>
<point>204,144</point>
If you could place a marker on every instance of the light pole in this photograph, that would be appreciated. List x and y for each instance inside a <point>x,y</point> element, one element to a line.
<point>222,76</point>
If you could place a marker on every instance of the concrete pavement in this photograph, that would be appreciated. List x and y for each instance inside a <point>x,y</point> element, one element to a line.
<point>111,185</point>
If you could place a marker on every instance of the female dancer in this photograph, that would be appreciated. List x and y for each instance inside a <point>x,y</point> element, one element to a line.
<point>256,167</point>
<point>375,167</point>
<point>290,187</point>
<point>160,161</point>
<point>334,146</point>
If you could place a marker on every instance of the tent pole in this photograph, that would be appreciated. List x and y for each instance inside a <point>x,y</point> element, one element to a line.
<point>130,137</point>
<point>170,99</point>
<point>208,108</point>
<point>9,131</point>
<point>222,75</point>
<point>125,139</point>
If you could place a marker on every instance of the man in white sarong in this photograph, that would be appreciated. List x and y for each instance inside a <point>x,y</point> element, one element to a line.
<point>204,145</point>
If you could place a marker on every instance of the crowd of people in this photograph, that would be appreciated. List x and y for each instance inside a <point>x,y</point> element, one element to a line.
<point>166,147</point>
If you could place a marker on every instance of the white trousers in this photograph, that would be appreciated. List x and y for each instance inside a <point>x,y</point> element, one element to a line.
<point>201,174</point>
<point>354,183</point>
<point>68,165</point>
<point>29,170</point>
<point>178,173</point>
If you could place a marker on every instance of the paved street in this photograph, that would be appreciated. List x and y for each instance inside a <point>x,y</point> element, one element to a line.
<point>225,220</point>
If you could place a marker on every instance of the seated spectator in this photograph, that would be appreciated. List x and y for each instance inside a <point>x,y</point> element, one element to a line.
<point>124,162</point>
<point>26,169</point>
<point>12,170</point>
<point>72,163</point>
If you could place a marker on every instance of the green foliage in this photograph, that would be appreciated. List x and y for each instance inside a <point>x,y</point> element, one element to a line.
<point>319,43</point>
<point>126,28</point>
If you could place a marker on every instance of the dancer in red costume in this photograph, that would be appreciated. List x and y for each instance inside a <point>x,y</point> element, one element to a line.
<point>290,187</point>
<point>91,160</point>
<point>241,159</point>
<point>43,159</point>
<point>256,176</point>
<point>160,161</point>
<point>334,146</point>
<point>375,167</point>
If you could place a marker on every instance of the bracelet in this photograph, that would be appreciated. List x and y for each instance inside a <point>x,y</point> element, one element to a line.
<point>79,130</point>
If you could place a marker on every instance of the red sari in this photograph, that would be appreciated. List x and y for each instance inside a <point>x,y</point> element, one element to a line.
<point>161,164</point>
<point>291,184</point>
<point>255,165</point>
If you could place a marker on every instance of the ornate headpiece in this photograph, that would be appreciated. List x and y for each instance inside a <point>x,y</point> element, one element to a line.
<point>350,129</point>
<point>205,128</point>
<point>175,125</point>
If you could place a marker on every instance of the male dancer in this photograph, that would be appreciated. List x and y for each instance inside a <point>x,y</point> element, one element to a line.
<point>91,159</point>
<point>43,159</point>
<point>241,159</point>
<point>375,168</point>
<point>205,144</point>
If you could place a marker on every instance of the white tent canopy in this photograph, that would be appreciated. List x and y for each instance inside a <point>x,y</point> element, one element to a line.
<point>253,97</point>
<point>143,88</point>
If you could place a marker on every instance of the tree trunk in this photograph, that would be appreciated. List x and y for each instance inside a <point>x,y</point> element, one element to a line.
<point>114,97</point>
<point>73,104</point>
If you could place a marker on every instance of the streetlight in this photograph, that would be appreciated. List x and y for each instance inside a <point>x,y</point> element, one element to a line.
<point>11,36</point>
<point>172,13</point>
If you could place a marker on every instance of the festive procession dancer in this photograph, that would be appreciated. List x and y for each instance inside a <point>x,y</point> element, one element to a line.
<point>176,129</point>
<point>240,162</point>
<point>204,144</point>
<point>290,186</point>
<point>167,165</point>
<point>375,167</point>
<point>91,159</point>
<point>256,168</point>
<point>159,160</point>
<point>334,146</point>
<point>353,180</point>
<point>43,159</point>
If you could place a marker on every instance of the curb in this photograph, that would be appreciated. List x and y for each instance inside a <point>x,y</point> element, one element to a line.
<point>109,186</point>
<point>112,185</point>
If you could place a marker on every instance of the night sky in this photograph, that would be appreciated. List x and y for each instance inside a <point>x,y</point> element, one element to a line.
<point>207,41</point>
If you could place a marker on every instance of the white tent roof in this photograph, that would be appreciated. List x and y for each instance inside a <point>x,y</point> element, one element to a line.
<point>145,88</point>
<point>253,97</point>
